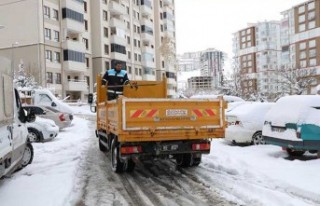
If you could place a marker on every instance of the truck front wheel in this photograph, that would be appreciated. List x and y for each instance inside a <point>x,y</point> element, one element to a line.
<point>117,165</point>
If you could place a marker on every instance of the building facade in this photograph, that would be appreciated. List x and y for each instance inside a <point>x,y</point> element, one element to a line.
<point>64,44</point>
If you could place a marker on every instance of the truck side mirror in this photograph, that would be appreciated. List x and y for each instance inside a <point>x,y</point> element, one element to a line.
<point>90,98</point>
<point>53,104</point>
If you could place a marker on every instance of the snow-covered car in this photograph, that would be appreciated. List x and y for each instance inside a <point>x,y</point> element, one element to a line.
<point>61,119</point>
<point>42,130</point>
<point>245,122</point>
<point>227,98</point>
<point>294,124</point>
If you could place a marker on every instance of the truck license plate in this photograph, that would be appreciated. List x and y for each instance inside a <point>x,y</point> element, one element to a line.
<point>171,147</point>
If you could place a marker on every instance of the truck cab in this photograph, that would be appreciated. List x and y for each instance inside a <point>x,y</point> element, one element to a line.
<point>15,150</point>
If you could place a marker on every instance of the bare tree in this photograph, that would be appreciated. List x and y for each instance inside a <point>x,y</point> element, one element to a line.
<point>294,81</point>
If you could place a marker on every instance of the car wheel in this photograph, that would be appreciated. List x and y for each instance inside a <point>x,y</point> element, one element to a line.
<point>34,135</point>
<point>295,153</point>
<point>27,155</point>
<point>117,165</point>
<point>258,139</point>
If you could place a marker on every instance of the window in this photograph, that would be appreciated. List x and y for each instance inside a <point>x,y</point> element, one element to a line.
<point>312,24</point>
<point>129,70</point>
<point>86,25</point>
<point>140,71</point>
<point>49,55</point>
<point>312,43</point>
<point>128,11</point>
<point>311,6</point>
<point>87,62</point>
<point>162,64</point>
<point>312,52</point>
<point>139,43</point>
<point>302,46</point>
<point>311,15</point>
<point>136,71</point>
<point>129,55</point>
<point>128,39</point>
<point>139,57</point>
<point>85,6</point>
<point>135,57</point>
<point>302,55</point>
<point>70,55</point>
<point>128,25</point>
<point>56,36</point>
<point>46,11</point>
<point>47,33</point>
<point>55,14</point>
<point>303,63</point>
<point>135,42</point>
<point>106,49</point>
<point>58,78</point>
<point>138,29</point>
<point>301,9</point>
<point>312,62</point>
<point>71,14</point>
<point>49,78</point>
<point>106,65</point>
<point>56,57</point>
<point>105,16</point>
<point>106,32</point>
<point>302,18</point>
<point>86,42</point>
<point>118,48</point>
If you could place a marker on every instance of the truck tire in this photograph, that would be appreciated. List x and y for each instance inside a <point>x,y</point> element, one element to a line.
<point>101,146</point>
<point>117,165</point>
<point>130,165</point>
<point>184,160</point>
<point>196,161</point>
<point>27,155</point>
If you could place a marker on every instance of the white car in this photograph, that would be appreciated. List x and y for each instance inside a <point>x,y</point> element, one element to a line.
<point>245,123</point>
<point>61,119</point>
<point>42,130</point>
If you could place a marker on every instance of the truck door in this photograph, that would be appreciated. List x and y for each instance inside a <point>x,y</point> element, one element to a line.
<point>19,132</point>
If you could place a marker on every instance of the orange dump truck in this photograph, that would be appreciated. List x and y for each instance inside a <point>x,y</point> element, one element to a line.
<point>144,124</point>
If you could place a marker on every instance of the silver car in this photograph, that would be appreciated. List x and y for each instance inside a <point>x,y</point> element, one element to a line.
<point>61,119</point>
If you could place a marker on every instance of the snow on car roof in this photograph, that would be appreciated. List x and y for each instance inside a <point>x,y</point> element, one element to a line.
<point>251,110</point>
<point>225,97</point>
<point>293,109</point>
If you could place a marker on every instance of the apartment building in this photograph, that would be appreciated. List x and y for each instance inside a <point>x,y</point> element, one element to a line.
<point>257,55</point>
<point>211,65</point>
<point>64,44</point>
<point>300,38</point>
<point>49,39</point>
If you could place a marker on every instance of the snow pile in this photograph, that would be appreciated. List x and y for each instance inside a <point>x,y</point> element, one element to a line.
<point>49,180</point>
<point>212,96</point>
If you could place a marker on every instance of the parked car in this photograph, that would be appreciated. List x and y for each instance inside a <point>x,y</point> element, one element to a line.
<point>245,122</point>
<point>61,119</point>
<point>294,124</point>
<point>42,130</point>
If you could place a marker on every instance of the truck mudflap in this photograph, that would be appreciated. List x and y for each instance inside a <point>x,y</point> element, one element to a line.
<point>164,148</point>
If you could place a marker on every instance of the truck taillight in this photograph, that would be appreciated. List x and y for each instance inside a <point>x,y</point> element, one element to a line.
<point>201,146</point>
<point>131,149</point>
<point>61,117</point>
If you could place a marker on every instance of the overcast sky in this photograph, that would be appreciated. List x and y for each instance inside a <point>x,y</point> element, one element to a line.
<point>202,24</point>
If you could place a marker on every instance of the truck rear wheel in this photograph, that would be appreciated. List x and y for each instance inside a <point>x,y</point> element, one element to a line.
<point>101,146</point>
<point>196,161</point>
<point>130,165</point>
<point>184,160</point>
<point>117,165</point>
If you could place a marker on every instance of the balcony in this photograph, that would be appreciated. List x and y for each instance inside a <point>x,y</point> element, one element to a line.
<point>74,45</point>
<point>145,10</point>
<point>146,22</point>
<point>118,56</point>
<point>73,26</point>
<point>116,8</point>
<point>118,40</point>
<point>77,85</point>
<point>147,63</point>
<point>147,49</point>
<point>167,2</point>
<point>146,37</point>
<point>115,22</point>
<point>73,66</point>
<point>74,5</point>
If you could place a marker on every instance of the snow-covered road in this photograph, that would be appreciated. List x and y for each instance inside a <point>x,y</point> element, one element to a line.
<point>72,171</point>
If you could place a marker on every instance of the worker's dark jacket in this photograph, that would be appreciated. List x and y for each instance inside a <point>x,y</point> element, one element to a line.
<point>115,78</point>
